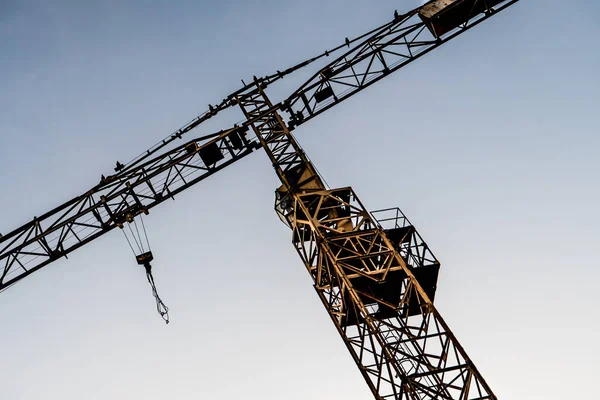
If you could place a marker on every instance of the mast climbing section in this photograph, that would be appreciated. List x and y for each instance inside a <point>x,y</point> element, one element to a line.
<point>377,284</point>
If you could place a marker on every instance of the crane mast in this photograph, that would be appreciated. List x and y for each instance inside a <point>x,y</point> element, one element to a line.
<point>365,276</point>
<point>375,276</point>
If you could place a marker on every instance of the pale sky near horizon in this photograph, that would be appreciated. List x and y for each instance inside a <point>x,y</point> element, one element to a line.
<point>489,144</point>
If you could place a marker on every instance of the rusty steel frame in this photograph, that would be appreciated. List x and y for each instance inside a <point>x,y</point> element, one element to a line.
<point>115,200</point>
<point>394,45</point>
<point>159,174</point>
<point>404,349</point>
<point>377,282</point>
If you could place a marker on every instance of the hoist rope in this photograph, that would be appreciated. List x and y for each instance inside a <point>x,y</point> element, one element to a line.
<point>134,238</point>
<point>139,236</point>
<point>162,309</point>
<point>145,233</point>
<point>128,242</point>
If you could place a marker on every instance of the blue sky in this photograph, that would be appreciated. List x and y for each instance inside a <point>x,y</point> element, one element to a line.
<point>489,145</point>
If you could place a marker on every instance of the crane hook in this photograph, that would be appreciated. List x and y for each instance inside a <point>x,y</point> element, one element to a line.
<point>162,309</point>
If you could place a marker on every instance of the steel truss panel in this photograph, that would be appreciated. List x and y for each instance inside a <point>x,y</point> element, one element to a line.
<point>153,176</point>
<point>113,202</point>
<point>401,344</point>
<point>376,282</point>
<point>396,44</point>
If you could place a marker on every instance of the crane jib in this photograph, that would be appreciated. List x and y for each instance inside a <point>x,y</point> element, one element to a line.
<point>84,218</point>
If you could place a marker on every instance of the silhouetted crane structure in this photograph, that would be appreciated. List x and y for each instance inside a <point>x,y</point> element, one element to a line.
<point>373,272</point>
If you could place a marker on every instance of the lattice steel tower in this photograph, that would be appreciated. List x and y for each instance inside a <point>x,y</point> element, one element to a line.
<point>372,271</point>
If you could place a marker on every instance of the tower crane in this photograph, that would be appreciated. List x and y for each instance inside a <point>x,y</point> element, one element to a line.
<point>374,274</point>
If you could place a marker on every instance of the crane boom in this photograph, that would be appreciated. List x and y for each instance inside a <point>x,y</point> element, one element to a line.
<point>160,174</point>
<point>391,47</point>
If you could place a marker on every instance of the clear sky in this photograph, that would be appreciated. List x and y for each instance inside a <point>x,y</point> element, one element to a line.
<point>489,145</point>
